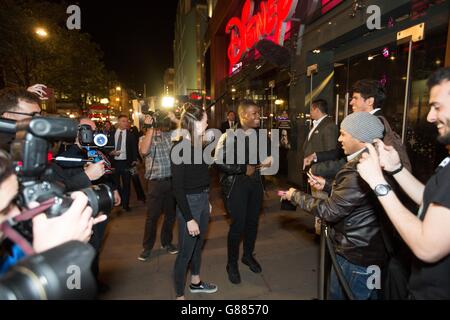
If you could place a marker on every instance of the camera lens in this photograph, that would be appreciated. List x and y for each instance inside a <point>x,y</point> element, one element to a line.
<point>100,198</point>
<point>44,276</point>
<point>100,140</point>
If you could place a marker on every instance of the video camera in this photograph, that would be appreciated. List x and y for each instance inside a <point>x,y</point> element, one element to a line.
<point>89,138</point>
<point>160,119</point>
<point>30,153</point>
<point>92,141</point>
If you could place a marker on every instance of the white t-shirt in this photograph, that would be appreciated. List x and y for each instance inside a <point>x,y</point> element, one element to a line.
<point>123,146</point>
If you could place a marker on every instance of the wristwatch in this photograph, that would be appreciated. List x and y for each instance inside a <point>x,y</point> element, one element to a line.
<point>382,189</point>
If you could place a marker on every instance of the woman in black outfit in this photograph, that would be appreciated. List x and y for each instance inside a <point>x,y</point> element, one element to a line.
<point>191,189</point>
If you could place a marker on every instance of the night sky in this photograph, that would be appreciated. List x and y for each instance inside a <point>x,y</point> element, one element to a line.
<point>136,38</point>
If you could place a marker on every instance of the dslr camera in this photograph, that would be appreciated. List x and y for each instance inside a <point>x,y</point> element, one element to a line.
<point>31,155</point>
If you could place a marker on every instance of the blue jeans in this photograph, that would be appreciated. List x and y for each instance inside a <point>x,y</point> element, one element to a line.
<point>356,277</point>
<point>191,247</point>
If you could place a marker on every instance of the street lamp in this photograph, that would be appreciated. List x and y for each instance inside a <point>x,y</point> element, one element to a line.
<point>41,32</point>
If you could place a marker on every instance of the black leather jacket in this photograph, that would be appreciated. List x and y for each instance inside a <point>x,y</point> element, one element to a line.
<point>352,211</point>
<point>229,172</point>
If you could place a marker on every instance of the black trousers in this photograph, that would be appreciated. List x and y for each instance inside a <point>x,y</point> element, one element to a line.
<point>191,247</point>
<point>244,205</point>
<point>123,180</point>
<point>160,198</point>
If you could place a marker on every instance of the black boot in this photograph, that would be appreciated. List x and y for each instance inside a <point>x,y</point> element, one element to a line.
<point>233,273</point>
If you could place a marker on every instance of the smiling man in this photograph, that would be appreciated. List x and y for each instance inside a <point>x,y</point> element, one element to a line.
<point>242,187</point>
<point>427,233</point>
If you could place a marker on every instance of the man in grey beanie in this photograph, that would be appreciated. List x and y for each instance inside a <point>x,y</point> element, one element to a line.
<point>352,213</point>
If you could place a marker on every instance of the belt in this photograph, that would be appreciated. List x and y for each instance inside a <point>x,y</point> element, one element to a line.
<point>161,179</point>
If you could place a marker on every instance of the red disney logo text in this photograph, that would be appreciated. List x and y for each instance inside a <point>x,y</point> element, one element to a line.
<point>271,20</point>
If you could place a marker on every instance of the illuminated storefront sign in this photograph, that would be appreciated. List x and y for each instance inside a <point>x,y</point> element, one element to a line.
<point>327,5</point>
<point>270,21</point>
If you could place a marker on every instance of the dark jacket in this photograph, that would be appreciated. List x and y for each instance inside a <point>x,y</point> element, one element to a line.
<point>76,169</point>
<point>132,147</point>
<point>353,213</point>
<point>324,138</point>
<point>226,125</point>
<point>229,172</point>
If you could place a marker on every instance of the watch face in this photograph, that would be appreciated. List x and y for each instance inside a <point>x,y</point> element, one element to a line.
<point>382,189</point>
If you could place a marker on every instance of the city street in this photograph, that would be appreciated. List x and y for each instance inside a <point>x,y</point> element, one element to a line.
<point>285,248</point>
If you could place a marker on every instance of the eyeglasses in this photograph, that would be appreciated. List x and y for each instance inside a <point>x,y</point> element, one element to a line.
<point>31,114</point>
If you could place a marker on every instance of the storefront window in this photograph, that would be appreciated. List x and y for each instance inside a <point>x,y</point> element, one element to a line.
<point>388,65</point>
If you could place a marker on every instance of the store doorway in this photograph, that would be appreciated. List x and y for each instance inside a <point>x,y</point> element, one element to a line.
<point>405,109</point>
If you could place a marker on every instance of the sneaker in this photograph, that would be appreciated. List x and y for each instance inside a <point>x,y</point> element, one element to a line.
<point>170,248</point>
<point>145,255</point>
<point>252,264</point>
<point>204,287</point>
<point>233,274</point>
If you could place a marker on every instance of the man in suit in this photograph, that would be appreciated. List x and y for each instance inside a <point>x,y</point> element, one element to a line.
<point>125,157</point>
<point>230,123</point>
<point>323,136</point>
<point>368,96</point>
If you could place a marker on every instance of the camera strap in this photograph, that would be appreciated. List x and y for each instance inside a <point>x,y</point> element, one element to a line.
<point>7,226</point>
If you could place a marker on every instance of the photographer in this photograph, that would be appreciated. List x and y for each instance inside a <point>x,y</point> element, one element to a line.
<point>94,171</point>
<point>96,175</point>
<point>16,104</point>
<point>74,224</point>
<point>155,148</point>
<point>19,104</point>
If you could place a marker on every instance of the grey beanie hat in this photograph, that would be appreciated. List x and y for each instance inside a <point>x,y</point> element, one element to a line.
<point>363,126</point>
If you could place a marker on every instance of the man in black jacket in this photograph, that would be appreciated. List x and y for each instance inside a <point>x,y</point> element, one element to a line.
<point>242,188</point>
<point>96,174</point>
<point>125,157</point>
<point>351,211</point>
<point>231,122</point>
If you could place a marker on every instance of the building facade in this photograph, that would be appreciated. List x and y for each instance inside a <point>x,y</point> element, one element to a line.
<point>325,47</point>
<point>169,82</point>
<point>190,26</point>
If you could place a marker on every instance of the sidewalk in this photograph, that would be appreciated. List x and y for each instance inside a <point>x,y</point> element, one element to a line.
<point>285,248</point>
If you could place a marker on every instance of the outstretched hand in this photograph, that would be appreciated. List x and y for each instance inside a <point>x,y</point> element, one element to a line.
<point>38,89</point>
